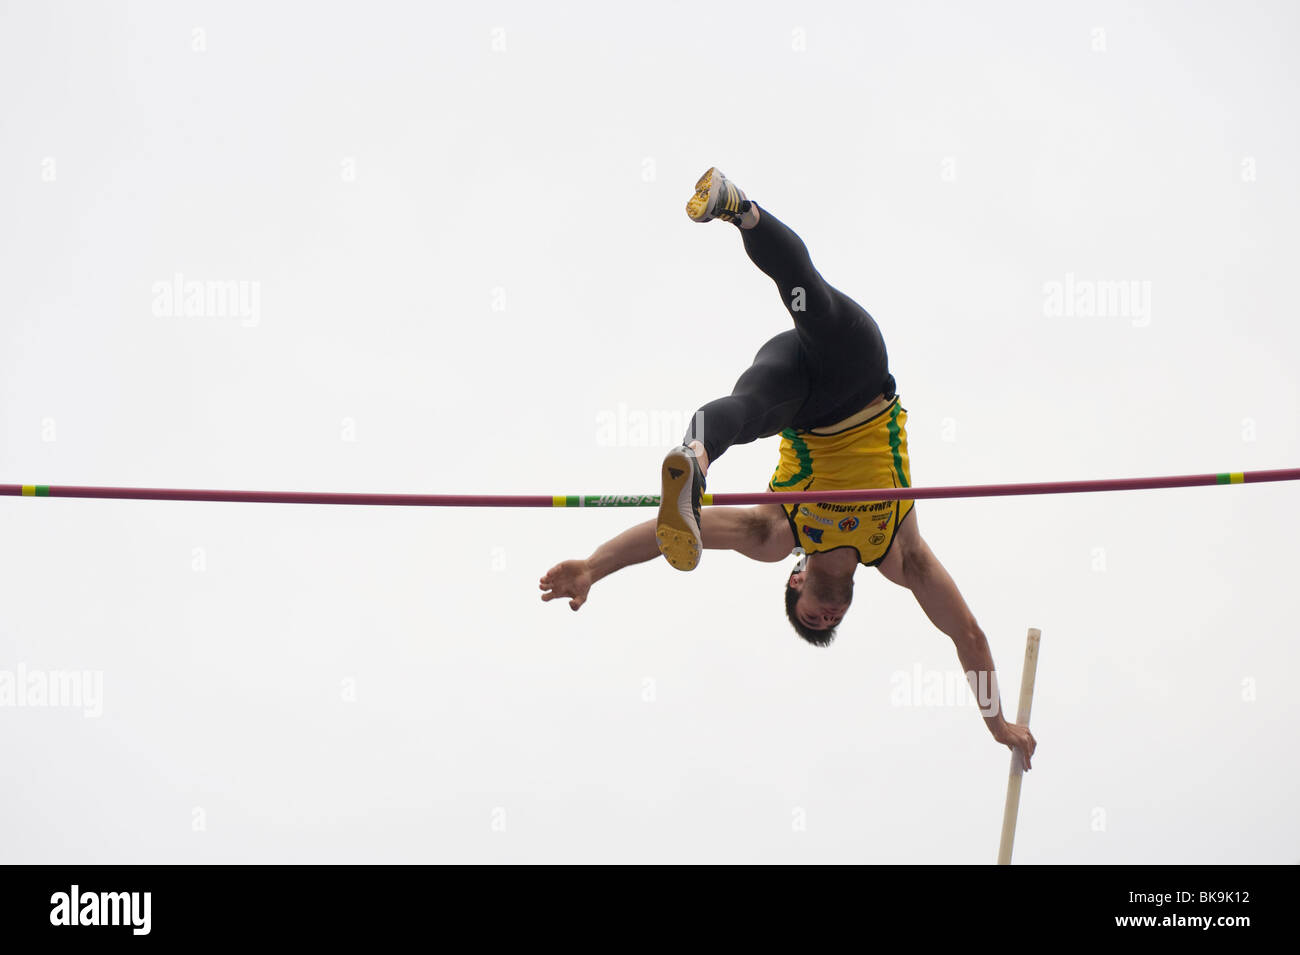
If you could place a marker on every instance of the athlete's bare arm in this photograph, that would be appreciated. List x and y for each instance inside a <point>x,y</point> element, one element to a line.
<point>760,533</point>
<point>910,563</point>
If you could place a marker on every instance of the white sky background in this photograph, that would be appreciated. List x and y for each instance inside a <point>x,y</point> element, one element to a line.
<point>943,162</point>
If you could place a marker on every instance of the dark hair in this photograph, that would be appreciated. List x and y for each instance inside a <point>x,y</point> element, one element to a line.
<point>818,638</point>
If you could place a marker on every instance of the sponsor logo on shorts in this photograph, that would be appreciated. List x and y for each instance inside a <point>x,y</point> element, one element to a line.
<point>877,538</point>
<point>858,508</point>
<point>848,524</point>
<point>816,517</point>
<point>883,524</point>
<point>814,534</point>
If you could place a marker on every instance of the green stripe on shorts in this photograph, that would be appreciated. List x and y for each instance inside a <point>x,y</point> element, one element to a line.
<point>895,444</point>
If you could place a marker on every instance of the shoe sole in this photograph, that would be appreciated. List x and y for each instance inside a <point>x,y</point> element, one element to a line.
<point>677,534</point>
<point>706,191</point>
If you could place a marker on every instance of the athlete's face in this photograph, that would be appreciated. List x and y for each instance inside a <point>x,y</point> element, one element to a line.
<point>816,610</point>
<point>818,614</point>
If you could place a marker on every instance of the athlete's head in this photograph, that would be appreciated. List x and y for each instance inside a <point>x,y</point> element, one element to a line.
<point>817,596</point>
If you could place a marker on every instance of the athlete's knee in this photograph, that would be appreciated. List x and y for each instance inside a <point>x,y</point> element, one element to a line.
<point>808,297</point>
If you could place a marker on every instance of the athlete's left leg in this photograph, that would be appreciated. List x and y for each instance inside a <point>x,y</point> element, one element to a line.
<point>765,400</point>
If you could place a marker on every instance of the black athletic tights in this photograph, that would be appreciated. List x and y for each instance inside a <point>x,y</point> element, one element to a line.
<point>831,364</point>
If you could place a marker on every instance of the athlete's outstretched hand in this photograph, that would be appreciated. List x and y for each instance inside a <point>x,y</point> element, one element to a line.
<point>570,579</point>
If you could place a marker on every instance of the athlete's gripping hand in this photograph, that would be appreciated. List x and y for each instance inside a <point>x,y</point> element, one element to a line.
<point>1018,737</point>
<point>571,579</point>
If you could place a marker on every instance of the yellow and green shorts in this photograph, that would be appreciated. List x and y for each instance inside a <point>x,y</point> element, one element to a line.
<point>868,454</point>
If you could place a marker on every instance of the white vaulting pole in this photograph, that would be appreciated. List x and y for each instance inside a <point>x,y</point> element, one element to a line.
<point>1017,765</point>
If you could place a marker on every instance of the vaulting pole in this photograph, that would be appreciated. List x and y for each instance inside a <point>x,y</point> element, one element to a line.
<point>1012,808</point>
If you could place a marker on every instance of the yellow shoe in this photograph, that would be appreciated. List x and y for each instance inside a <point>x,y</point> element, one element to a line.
<point>716,197</point>
<point>678,531</point>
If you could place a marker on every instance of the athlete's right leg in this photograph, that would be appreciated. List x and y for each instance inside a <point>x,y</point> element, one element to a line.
<point>841,339</point>
<point>821,313</point>
<point>826,318</point>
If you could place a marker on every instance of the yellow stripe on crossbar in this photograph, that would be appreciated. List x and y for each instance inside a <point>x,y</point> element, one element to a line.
<point>706,498</point>
<point>557,500</point>
<point>1236,477</point>
<point>29,490</point>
